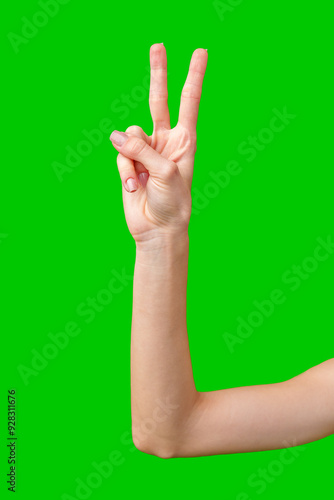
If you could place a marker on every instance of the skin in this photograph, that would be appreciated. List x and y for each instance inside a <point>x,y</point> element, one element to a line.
<point>170,417</point>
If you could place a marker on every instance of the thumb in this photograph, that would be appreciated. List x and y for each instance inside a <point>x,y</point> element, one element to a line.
<point>137,149</point>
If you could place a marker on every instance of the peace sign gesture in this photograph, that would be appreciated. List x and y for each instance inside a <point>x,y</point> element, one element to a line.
<point>157,170</point>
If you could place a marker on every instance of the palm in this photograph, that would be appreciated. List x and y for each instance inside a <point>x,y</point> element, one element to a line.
<point>177,144</point>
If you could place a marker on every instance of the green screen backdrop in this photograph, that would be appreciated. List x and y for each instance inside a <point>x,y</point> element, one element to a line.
<point>262,229</point>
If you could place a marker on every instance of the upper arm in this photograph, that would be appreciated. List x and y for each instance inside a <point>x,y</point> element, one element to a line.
<point>262,417</point>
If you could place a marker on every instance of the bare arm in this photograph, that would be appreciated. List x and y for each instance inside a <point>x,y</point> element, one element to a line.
<point>235,420</point>
<point>161,368</point>
<point>170,418</point>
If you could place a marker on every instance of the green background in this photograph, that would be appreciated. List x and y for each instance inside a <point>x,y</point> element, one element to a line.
<point>60,241</point>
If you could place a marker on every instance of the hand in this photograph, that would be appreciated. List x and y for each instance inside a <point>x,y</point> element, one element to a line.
<point>157,171</point>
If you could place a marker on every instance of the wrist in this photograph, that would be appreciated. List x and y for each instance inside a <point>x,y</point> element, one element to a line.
<point>162,248</point>
<point>159,240</point>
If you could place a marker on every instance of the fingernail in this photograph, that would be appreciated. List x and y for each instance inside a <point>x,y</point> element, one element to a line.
<point>131,185</point>
<point>119,138</point>
<point>143,178</point>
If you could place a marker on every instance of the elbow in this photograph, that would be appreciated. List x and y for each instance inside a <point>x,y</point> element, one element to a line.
<point>153,445</point>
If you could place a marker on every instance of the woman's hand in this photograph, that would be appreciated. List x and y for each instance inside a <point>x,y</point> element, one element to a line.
<point>156,171</point>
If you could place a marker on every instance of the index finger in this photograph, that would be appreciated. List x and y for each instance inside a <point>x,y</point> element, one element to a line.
<point>192,90</point>
<point>158,98</point>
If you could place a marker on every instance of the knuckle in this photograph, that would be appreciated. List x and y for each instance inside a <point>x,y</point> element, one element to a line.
<point>170,170</point>
<point>188,139</point>
<point>191,96</point>
<point>119,160</point>
<point>125,165</point>
<point>156,96</point>
<point>136,146</point>
<point>193,144</point>
<point>125,169</point>
<point>133,129</point>
<point>191,91</point>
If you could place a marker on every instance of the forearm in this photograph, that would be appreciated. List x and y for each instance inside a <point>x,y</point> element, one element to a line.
<point>170,418</point>
<point>162,386</point>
